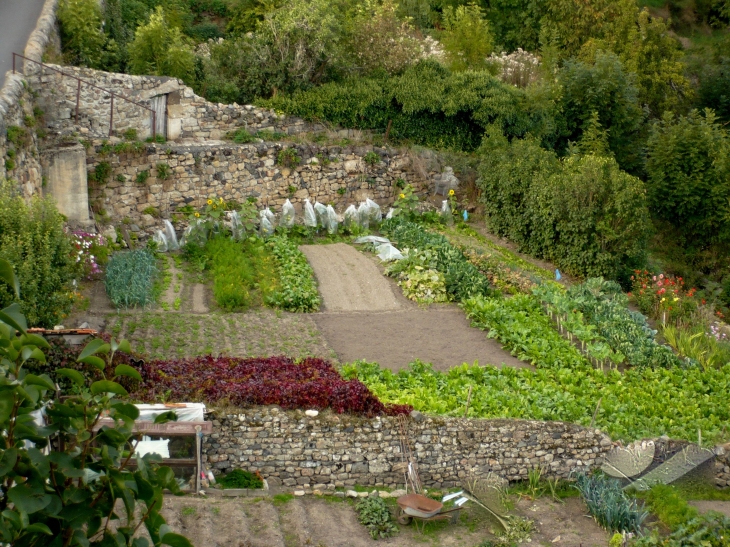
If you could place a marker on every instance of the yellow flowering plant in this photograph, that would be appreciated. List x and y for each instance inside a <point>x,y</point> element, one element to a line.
<point>407,203</point>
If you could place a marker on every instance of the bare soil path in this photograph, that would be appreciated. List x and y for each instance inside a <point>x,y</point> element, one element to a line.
<point>366,316</point>
<point>332,522</point>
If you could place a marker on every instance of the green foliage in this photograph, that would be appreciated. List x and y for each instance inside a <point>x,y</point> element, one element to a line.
<point>609,504</point>
<point>32,239</point>
<point>163,171</point>
<point>102,172</point>
<point>689,178</point>
<point>596,313</point>
<point>607,88</point>
<point>298,289</point>
<point>247,14</point>
<point>9,164</point>
<point>18,136</point>
<point>462,279</point>
<point>81,35</point>
<point>244,272</point>
<point>371,158</point>
<point>708,530</point>
<point>130,134</point>
<point>75,492</point>
<point>288,157</point>
<point>159,48</point>
<point>417,276</point>
<point>241,136</point>
<point>669,506</point>
<point>374,514</point>
<point>466,37</point>
<point>520,324</point>
<point>633,403</point>
<point>697,345</point>
<point>584,213</point>
<point>428,105</point>
<point>142,177</point>
<point>130,278</point>
<point>238,478</point>
<point>233,274</point>
<point>713,90</point>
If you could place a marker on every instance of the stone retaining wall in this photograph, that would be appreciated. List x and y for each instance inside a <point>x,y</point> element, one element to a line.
<point>329,174</point>
<point>329,451</point>
<point>190,117</point>
<point>722,468</point>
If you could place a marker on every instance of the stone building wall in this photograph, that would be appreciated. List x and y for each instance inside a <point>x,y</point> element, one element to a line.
<point>190,117</point>
<point>19,159</point>
<point>329,174</point>
<point>291,449</point>
<point>722,468</point>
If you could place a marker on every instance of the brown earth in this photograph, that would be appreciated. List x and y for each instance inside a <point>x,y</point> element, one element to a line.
<point>332,522</point>
<point>366,316</point>
<point>703,506</point>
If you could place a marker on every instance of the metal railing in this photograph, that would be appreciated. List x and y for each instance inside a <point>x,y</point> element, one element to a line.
<point>78,94</point>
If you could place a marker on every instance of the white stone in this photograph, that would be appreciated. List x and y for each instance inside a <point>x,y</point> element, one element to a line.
<point>312,413</point>
<point>351,494</point>
<point>298,492</point>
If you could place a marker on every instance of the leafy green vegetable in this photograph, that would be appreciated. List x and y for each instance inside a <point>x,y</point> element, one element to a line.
<point>298,291</point>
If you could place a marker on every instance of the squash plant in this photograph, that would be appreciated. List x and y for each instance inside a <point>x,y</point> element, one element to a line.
<point>62,483</point>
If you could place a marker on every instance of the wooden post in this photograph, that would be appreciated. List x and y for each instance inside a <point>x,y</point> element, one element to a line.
<point>111,116</point>
<point>593,420</point>
<point>387,130</point>
<point>78,100</point>
<point>198,457</point>
<point>468,400</point>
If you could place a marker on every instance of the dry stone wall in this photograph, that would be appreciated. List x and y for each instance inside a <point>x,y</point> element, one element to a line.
<point>328,451</point>
<point>329,174</point>
<point>722,468</point>
<point>189,117</point>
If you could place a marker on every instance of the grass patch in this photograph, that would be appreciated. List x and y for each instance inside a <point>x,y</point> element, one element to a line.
<point>669,506</point>
<point>238,478</point>
<point>282,499</point>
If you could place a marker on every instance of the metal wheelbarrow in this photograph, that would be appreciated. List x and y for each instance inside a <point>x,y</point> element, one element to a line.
<point>419,508</point>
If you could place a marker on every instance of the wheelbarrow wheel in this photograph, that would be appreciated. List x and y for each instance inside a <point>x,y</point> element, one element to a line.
<point>403,518</point>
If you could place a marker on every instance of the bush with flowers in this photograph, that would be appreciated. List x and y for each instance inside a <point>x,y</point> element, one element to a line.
<point>663,297</point>
<point>91,252</point>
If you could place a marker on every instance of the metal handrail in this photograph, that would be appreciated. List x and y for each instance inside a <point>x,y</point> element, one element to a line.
<point>78,94</point>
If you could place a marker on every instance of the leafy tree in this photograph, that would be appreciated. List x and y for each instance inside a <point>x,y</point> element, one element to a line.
<point>689,178</point>
<point>160,49</point>
<point>380,42</point>
<point>294,47</point>
<point>516,23</point>
<point>63,484</point>
<point>81,36</point>
<point>466,37</point>
<point>608,89</point>
<point>247,14</point>
<point>655,57</point>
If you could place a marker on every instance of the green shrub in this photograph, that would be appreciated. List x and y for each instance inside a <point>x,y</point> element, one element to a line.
<point>102,172</point>
<point>427,105</point>
<point>130,134</point>
<point>130,278</point>
<point>374,514</point>
<point>81,36</point>
<point>288,157</point>
<point>298,290</point>
<point>709,530</point>
<point>9,164</point>
<point>241,136</point>
<point>163,171</point>
<point>32,239</point>
<point>583,213</point>
<point>238,478</point>
<point>609,504</point>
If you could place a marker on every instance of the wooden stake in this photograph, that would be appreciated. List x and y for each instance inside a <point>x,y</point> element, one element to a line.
<point>593,420</point>
<point>468,400</point>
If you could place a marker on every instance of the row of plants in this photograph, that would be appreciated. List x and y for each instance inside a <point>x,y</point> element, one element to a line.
<point>462,280</point>
<point>520,324</point>
<point>131,277</point>
<point>596,314</point>
<point>297,291</point>
<point>241,271</point>
<point>627,406</point>
<point>607,502</point>
<point>311,383</point>
<point>417,275</point>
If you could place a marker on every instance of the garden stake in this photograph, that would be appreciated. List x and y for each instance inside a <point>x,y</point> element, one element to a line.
<point>593,420</point>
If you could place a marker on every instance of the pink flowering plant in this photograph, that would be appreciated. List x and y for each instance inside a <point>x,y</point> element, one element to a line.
<point>91,252</point>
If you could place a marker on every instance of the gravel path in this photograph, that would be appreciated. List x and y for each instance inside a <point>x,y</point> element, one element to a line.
<point>365,316</point>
